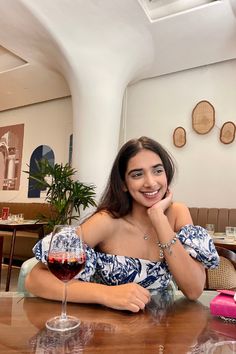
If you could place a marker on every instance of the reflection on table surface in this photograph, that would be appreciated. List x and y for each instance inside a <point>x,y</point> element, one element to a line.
<point>169,324</point>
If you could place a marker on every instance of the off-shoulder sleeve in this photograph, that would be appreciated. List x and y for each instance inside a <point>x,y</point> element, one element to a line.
<point>41,253</point>
<point>89,270</point>
<point>40,250</point>
<point>199,244</point>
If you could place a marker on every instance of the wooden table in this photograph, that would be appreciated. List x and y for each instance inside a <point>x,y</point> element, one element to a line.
<point>164,327</point>
<point>27,225</point>
<point>221,242</point>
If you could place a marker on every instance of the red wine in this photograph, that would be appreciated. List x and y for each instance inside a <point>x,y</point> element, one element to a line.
<point>65,269</point>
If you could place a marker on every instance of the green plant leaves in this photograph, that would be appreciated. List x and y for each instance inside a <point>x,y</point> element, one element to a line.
<point>63,192</point>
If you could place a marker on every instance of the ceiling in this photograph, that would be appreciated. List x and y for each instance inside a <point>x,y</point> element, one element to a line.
<point>23,83</point>
<point>42,40</point>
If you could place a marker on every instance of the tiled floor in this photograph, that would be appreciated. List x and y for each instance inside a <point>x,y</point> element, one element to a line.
<point>14,278</point>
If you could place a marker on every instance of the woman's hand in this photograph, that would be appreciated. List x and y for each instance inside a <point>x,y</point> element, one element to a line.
<point>156,212</point>
<point>131,296</point>
<point>164,203</point>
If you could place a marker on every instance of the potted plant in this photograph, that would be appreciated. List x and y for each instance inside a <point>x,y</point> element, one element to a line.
<point>65,195</point>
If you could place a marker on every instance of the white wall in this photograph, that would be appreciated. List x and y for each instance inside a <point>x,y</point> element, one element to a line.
<point>155,107</point>
<point>206,167</point>
<point>48,123</point>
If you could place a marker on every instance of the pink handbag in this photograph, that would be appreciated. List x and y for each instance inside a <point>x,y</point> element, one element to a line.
<point>224,305</point>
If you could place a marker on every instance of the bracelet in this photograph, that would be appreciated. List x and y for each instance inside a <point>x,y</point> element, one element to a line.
<point>167,246</point>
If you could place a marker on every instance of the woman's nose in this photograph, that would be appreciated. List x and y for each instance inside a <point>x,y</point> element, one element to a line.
<point>149,180</point>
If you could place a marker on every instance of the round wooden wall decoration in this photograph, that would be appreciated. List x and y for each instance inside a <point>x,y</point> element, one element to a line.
<point>203,117</point>
<point>179,137</point>
<point>227,133</point>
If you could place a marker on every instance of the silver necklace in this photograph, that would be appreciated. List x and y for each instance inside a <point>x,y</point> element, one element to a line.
<point>146,236</point>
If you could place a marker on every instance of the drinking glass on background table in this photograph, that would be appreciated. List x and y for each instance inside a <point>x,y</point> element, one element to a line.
<point>21,217</point>
<point>16,218</point>
<point>13,218</point>
<point>230,233</point>
<point>210,229</point>
<point>66,258</point>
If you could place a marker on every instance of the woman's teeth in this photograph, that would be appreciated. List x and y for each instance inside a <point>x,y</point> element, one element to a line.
<point>150,194</point>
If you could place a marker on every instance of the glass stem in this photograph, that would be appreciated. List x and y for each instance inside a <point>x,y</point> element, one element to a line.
<point>64,302</point>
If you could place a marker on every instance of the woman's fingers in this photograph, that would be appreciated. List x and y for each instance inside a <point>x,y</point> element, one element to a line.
<point>130,297</point>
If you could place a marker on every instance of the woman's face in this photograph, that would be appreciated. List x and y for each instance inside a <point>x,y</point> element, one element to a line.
<point>145,178</point>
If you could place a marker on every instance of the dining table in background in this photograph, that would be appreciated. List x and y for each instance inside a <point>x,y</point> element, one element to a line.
<point>221,241</point>
<point>13,227</point>
<point>169,324</point>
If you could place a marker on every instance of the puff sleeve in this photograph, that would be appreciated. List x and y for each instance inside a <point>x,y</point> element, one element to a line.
<point>41,253</point>
<point>199,244</point>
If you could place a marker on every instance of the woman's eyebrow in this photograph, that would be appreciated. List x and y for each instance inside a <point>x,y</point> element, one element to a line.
<point>158,165</point>
<point>141,169</point>
<point>135,170</point>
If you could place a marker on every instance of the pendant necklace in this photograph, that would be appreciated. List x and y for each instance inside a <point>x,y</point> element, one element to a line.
<point>146,236</point>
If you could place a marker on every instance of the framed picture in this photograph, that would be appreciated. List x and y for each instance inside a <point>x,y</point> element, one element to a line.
<point>11,144</point>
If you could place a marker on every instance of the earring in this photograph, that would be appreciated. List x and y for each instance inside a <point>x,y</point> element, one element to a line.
<point>125,189</point>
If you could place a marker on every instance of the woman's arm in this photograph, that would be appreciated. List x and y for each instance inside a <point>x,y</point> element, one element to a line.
<point>41,282</point>
<point>188,273</point>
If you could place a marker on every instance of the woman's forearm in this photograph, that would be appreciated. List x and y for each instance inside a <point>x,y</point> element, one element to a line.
<point>42,283</point>
<point>188,273</point>
<point>131,296</point>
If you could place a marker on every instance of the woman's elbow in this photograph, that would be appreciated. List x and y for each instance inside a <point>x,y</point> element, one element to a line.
<point>32,280</point>
<point>28,283</point>
<point>194,292</point>
<point>193,295</point>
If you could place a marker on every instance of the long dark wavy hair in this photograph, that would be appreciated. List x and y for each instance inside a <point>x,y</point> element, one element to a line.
<point>114,199</point>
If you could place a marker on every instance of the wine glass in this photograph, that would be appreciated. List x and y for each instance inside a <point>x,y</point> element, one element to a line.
<point>66,258</point>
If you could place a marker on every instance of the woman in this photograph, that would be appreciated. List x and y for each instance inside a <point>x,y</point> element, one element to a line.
<point>137,240</point>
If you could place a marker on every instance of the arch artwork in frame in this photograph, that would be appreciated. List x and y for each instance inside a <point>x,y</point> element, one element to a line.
<point>227,132</point>
<point>179,137</point>
<point>41,152</point>
<point>203,117</point>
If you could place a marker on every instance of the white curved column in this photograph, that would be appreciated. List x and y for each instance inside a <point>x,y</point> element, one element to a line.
<point>98,61</point>
<point>96,128</point>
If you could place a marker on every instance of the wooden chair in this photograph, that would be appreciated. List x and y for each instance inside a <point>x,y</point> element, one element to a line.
<point>224,276</point>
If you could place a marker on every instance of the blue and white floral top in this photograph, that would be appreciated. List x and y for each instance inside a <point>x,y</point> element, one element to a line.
<point>115,270</point>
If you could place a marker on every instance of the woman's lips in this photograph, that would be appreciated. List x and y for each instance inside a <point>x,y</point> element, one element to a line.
<point>150,195</point>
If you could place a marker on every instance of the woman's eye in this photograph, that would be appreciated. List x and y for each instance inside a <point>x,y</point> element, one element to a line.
<point>158,170</point>
<point>136,174</point>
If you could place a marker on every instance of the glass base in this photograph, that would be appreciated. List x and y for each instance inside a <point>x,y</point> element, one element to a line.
<point>62,324</point>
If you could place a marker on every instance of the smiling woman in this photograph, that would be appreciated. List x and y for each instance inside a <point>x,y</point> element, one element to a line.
<point>138,239</point>
<point>146,184</point>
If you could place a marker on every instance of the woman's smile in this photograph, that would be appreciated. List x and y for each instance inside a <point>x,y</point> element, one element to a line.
<point>151,195</point>
<point>145,178</point>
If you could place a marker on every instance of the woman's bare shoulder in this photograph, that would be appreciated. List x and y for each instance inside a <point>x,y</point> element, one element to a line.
<point>179,207</point>
<point>179,215</point>
<point>98,227</point>
<point>100,217</point>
